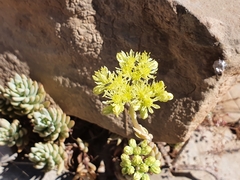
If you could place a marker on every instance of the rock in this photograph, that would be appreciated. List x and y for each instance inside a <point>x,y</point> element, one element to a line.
<point>62,43</point>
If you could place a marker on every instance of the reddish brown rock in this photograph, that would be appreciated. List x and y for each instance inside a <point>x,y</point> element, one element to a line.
<point>61,43</point>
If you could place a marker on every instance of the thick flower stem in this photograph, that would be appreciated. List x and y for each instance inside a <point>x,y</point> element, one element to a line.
<point>140,131</point>
<point>133,116</point>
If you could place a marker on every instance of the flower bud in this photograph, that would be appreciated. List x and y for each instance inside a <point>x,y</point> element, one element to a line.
<point>145,177</point>
<point>157,163</point>
<point>136,160</point>
<point>143,168</point>
<point>125,163</point>
<point>144,143</point>
<point>132,143</point>
<point>130,170</point>
<point>150,160</point>
<point>137,175</point>
<point>146,150</point>
<point>124,170</point>
<point>128,150</point>
<point>137,150</point>
<point>124,157</point>
<point>155,169</point>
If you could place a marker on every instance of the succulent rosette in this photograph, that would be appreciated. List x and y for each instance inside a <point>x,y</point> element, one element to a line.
<point>51,124</point>
<point>48,156</point>
<point>24,95</point>
<point>140,160</point>
<point>13,134</point>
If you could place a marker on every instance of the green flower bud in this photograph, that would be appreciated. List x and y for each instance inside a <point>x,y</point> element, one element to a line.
<point>150,160</point>
<point>145,177</point>
<point>136,160</point>
<point>144,143</point>
<point>137,150</point>
<point>137,175</point>
<point>125,163</point>
<point>132,143</point>
<point>143,168</point>
<point>124,170</point>
<point>157,163</point>
<point>128,150</point>
<point>146,150</point>
<point>155,169</point>
<point>125,157</point>
<point>130,170</point>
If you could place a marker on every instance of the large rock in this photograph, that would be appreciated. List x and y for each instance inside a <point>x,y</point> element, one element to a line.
<point>61,43</point>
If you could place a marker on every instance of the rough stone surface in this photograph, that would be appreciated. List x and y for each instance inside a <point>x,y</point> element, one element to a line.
<point>61,43</point>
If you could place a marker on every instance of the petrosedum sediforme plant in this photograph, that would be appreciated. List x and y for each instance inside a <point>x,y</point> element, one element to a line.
<point>48,156</point>
<point>140,160</point>
<point>12,134</point>
<point>134,84</point>
<point>24,95</point>
<point>51,124</point>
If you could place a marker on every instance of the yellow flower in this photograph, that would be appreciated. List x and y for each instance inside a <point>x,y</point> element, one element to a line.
<point>130,84</point>
<point>161,94</point>
<point>137,65</point>
<point>127,62</point>
<point>145,99</point>
<point>117,82</point>
<point>102,78</point>
<point>147,66</point>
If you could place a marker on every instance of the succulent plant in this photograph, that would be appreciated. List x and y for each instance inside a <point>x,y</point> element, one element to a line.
<point>82,146</point>
<point>132,86</point>
<point>140,160</point>
<point>48,156</point>
<point>24,95</point>
<point>84,169</point>
<point>13,134</point>
<point>51,124</point>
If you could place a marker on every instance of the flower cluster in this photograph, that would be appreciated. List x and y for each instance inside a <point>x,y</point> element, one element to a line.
<point>133,83</point>
<point>138,160</point>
